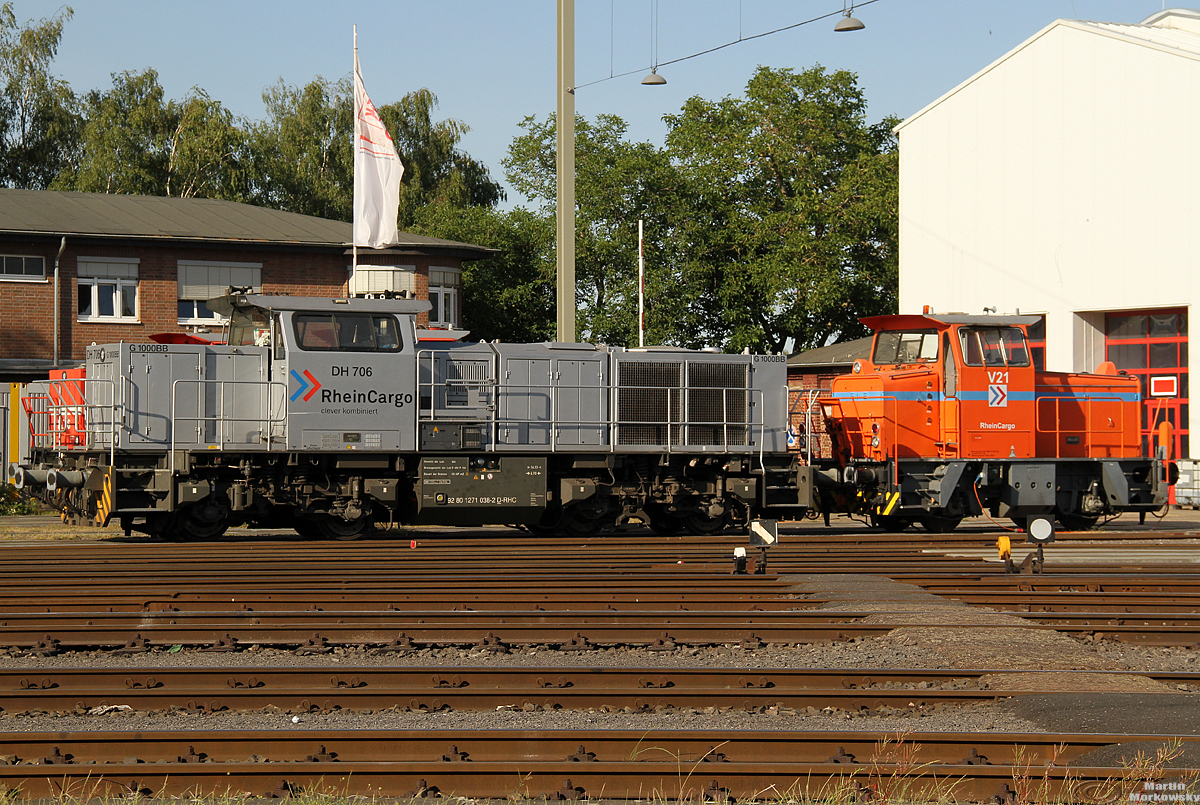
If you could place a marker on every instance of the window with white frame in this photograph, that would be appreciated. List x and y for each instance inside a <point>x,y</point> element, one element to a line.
<point>107,289</point>
<point>202,280</point>
<point>377,279</point>
<point>22,268</point>
<point>445,289</point>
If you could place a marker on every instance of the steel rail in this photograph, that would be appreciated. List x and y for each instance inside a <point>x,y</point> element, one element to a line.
<point>607,765</point>
<point>304,689</point>
<point>466,629</point>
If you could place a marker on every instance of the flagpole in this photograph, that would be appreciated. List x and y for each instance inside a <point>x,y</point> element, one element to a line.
<point>353,145</point>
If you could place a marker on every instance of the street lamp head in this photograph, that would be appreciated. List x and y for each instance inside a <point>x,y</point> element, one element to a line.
<point>654,79</point>
<point>848,23</point>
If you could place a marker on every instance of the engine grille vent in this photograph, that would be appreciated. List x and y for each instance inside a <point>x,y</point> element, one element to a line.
<point>718,403</point>
<point>649,402</point>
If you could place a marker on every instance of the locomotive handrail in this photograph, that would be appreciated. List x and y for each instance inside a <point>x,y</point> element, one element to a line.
<point>76,417</point>
<point>1088,417</point>
<point>609,423</point>
<point>814,395</point>
<point>266,423</point>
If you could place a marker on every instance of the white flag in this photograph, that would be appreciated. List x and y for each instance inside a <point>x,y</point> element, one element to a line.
<point>377,172</point>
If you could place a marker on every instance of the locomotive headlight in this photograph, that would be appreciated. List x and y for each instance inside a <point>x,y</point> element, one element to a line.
<point>875,427</point>
<point>857,367</point>
<point>874,441</point>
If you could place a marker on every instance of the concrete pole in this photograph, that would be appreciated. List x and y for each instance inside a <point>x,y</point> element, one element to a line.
<point>565,169</point>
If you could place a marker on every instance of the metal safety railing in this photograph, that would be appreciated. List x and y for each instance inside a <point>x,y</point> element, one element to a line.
<point>64,418</point>
<point>811,398</point>
<point>1088,413</point>
<point>224,420</point>
<point>673,432</point>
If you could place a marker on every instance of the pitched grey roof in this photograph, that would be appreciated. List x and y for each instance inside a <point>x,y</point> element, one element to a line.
<point>842,354</point>
<point>104,215</point>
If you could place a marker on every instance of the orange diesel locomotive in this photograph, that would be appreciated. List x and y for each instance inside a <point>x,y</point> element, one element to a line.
<point>950,419</point>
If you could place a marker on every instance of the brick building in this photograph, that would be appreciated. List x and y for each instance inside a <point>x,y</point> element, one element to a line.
<point>809,372</point>
<point>134,266</point>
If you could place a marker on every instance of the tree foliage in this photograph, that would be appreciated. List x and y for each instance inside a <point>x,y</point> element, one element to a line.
<point>792,218</point>
<point>771,219</point>
<point>509,295</point>
<point>133,140</point>
<point>39,123</point>
<point>616,184</point>
<point>304,161</point>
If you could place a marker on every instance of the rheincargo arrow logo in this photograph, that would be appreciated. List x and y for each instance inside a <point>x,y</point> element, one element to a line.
<point>997,395</point>
<point>311,384</point>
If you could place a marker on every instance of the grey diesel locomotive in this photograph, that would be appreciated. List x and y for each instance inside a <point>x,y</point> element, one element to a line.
<point>330,416</point>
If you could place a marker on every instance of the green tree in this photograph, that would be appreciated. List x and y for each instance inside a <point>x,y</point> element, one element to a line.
<point>304,160</point>
<point>133,141</point>
<point>125,141</point>
<point>789,232</point>
<point>509,295</point>
<point>39,124</point>
<point>616,183</point>
<point>301,153</point>
<point>208,152</point>
<point>435,169</point>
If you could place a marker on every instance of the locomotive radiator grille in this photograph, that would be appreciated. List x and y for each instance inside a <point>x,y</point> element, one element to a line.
<point>467,382</point>
<point>649,403</point>
<point>718,403</point>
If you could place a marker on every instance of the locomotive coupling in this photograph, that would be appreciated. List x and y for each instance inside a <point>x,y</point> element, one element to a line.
<point>60,479</point>
<point>27,477</point>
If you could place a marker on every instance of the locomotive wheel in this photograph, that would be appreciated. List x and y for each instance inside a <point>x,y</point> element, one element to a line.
<point>186,526</point>
<point>547,526</point>
<point>582,526</point>
<point>332,527</point>
<point>1077,522</point>
<point>703,525</point>
<point>663,522</point>
<point>891,523</point>
<point>939,525</point>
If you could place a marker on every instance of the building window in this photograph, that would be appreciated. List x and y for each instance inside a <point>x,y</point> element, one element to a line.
<point>1153,344</point>
<point>1035,336</point>
<point>20,268</point>
<point>200,280</point>
<point>107,289</point>
<point>366,280</point>
<point>445,290</point>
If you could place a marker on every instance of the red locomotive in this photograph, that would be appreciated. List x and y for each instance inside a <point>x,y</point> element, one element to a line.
<point>949,419</point>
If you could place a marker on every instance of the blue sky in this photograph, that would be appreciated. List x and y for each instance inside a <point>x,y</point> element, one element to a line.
<point>493,63</point>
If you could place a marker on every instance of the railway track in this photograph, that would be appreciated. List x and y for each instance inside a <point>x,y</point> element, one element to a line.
<point>307,632</point>
<point>434,688</point>
<point>500,591</point>
<point>717,766</point>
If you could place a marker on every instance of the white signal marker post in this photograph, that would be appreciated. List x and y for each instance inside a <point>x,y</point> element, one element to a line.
<point>641,289</point>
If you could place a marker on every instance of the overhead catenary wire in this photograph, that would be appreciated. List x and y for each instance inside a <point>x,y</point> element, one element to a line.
<point>654,54</point>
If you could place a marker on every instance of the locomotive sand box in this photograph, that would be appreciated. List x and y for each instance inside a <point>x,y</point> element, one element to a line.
<point>333,415</point>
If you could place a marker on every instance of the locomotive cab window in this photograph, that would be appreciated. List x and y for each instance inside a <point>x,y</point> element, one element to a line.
<point>249,327</point>
<point>347,332</point>
<point>993,346</point>
<point>906,346</point>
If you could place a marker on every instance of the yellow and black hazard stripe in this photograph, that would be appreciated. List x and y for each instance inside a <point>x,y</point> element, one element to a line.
<point>889,504</point>
<point>106,500</point>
